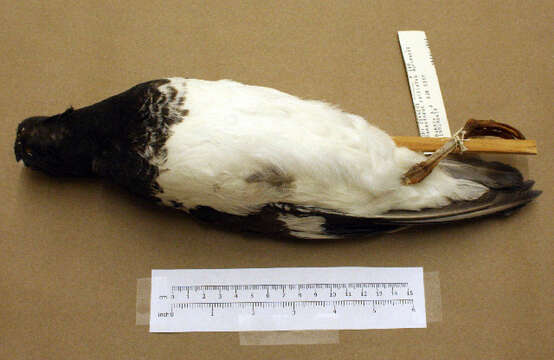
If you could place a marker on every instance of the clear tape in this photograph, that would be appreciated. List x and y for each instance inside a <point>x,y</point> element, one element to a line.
<point>304,337</point>
<point>433,309</point>
<point>143,301</point>
<point>433,301</point>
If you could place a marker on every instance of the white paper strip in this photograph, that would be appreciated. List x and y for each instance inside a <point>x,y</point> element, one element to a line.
<point>424,84</point>
<point>287,299</point>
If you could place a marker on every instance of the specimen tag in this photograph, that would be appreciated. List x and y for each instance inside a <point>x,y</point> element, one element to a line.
<point>424,84</point>
<point>287,299</point>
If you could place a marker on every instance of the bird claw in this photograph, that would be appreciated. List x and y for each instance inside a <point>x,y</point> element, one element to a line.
<point>475,128</point>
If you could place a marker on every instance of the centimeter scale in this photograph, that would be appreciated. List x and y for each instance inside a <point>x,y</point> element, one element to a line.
<point>286,299</point>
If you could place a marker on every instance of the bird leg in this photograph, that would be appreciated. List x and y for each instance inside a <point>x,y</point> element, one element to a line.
<point>472,128</point>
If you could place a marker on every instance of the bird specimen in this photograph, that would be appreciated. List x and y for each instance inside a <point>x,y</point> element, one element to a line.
<point>255,159</point>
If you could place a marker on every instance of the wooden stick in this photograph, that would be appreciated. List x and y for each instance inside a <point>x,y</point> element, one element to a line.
<point>485,145</point>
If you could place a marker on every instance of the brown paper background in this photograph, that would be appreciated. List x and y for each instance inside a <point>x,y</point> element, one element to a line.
<point>71,250</point>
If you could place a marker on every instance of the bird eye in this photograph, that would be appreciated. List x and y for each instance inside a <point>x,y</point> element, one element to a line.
<point>28,152</point>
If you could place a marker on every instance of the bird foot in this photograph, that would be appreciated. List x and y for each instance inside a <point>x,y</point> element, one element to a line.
<point>472,128</point>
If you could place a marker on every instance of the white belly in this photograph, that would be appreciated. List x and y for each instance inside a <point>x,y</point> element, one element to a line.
<point>240,147</point>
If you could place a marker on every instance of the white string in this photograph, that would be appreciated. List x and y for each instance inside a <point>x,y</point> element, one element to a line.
<point>459,140</point>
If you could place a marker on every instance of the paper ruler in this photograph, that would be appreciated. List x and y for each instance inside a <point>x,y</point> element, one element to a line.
<point>286,299</point>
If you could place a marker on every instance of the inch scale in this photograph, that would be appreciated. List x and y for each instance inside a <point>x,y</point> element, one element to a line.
<point>190,300</point>
<point>292,306</point>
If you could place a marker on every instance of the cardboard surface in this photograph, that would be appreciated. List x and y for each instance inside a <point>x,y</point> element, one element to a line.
<point>72,249</point>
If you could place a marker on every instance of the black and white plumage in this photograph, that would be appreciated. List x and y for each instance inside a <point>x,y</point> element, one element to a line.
<point>256,159</point>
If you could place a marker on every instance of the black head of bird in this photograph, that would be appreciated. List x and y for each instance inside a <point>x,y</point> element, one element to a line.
<point>50,144</point>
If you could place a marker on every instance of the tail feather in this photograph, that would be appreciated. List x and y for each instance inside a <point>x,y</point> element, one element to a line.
<point>494,175</point>
<point>499,202</point>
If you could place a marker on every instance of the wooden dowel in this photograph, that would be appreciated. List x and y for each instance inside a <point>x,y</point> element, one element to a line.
<point>485,145</point>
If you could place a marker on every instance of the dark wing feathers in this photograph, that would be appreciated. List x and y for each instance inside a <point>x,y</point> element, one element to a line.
<point>267,222</point>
